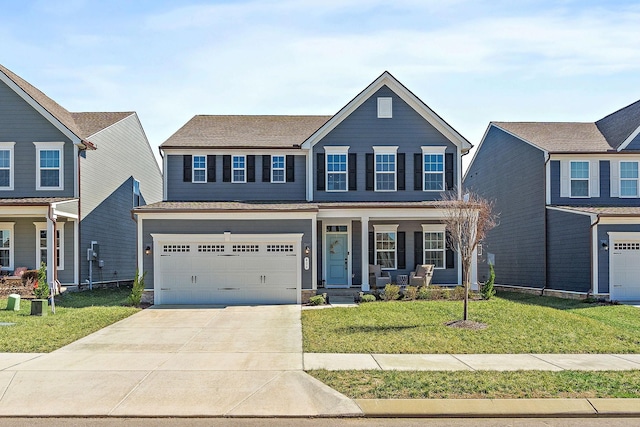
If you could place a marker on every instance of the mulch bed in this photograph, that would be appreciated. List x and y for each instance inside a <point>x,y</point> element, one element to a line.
<point>15,286</point>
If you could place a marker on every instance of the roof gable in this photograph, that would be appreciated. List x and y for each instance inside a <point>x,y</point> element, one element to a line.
<point>621,127</point>
<point>386,79</point>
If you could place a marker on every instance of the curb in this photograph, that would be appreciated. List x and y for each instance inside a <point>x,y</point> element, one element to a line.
<point>496,408</point>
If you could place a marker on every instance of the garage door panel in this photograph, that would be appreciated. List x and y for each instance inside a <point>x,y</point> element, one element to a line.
<point>625,270</point>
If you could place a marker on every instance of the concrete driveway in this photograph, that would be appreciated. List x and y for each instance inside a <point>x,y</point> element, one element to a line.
<point>171,361</point>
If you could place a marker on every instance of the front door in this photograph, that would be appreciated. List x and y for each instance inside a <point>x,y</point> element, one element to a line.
<point>337,257</point>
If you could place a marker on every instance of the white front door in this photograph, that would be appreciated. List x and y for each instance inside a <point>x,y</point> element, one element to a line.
<point>624,267</point>
<point>337,258</point>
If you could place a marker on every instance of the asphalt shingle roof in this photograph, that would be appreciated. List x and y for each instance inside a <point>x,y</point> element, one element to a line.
<point>617,127</point>
<point>559,137</point>
<point>605,210</point>
<point>33,201</point>
<point>93,122</point>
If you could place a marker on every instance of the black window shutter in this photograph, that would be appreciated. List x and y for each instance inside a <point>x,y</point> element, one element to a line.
<point>226,168</point>
<point>291,168</point>
<point>401,172</point>
<point>372,252</point>
<point>266,168</point>
<point>418,256</point>
<point>320,171</point>
<point>370,173</point>
<point>402,256</point>
<point>450,254</point>
<point>186,169</point>
<point>353,172</point>
<point>211,168</point>
<point>251,168</point>
<point>417,171</point>
<point>448,170</point>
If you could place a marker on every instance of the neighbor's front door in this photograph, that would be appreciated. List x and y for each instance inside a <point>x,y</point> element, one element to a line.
<point>337,258</point>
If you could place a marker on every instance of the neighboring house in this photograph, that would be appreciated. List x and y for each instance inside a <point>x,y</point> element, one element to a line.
<point>569,201</point>
<point>73,175</point>
<point>266,209</point>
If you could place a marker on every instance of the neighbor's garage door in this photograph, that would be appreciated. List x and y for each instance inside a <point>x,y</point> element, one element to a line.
<point>625,270</point>
<point>226,273</point>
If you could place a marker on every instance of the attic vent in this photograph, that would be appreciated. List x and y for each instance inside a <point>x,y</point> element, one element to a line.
<point>385,109</point>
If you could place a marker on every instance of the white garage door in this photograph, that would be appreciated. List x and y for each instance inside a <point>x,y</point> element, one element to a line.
<point>226,273</point>
<point>625,270</point>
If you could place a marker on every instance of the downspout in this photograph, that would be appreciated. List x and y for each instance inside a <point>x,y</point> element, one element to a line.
<point>79,254</point>
<point>594,259</point>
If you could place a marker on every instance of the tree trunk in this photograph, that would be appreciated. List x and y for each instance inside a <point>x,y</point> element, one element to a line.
<point>465,281</point>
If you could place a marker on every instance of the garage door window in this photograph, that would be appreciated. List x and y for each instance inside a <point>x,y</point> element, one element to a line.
<point>176,248</point>
<point>279,248</point>
<point>245,248</point>
<point>627,246</point>
<point>210,248</point>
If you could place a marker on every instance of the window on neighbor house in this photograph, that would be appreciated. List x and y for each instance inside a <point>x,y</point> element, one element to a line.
<point>6,246</point>
<point>278,169</point>
<point>199,169</point>
<point>629,179</point>
<point>386,248</point>
<point>136,193</point>
<point>579,179</point>
<point>6,165</point>
<point>238,169</point>
<point>434,245</point>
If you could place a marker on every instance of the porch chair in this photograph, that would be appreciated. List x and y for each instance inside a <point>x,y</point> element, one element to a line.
<point>422,275</point>
<point>377,277</point>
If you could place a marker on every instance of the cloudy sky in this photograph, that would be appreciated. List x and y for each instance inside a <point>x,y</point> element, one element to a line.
<point>472,61</point>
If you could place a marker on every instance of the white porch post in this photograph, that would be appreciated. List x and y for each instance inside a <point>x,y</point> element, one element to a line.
<point>76,251</point>
<point>474,270</point>
<point>365,252</point>
<point>51,249</point>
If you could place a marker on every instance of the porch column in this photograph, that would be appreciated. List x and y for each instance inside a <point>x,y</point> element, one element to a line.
<point>474,270</point>
<point>365,253</point>
<point>51,250</point>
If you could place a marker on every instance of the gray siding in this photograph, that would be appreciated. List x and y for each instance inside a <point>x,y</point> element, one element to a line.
<point>177,190</point>
<point>568,251</point>
<point>603,256</point>
<point>634,144</point>
<point>512,173</point>
<point>605,198</point>
<point>363,129</point>
<point>21,124</point>
<point>168,226</point>
<point>107,176</point>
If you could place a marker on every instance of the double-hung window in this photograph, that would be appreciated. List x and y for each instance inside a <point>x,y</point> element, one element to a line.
<point>629,179</point>
<point>336,168</point>
<point>434,245</point>
<point>49,165</point>
<point>6,245</point>
<point>6,165</point>
<point>385,168</point>
<point>433,168</point>
<point>385,246</point>
<point>238,169</point>
<point>278,169</point>
<point>579,179</point>
<point>41,244</point>
<point>199,169</point>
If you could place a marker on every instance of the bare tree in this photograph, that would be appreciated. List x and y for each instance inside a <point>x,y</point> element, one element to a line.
<point>467,220</point>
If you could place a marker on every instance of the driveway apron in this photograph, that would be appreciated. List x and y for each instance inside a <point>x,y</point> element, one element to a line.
<point>176,361</point>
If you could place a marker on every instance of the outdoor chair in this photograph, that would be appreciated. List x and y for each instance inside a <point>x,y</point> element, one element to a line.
<point>422,275</point>
<point>377,277</point>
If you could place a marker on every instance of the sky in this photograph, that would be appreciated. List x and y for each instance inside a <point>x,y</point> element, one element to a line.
<point>471,61</point>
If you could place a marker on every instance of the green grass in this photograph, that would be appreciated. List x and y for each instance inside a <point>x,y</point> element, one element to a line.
<point>482,384</point>
<point>517,323</point>
<point>77,315</point>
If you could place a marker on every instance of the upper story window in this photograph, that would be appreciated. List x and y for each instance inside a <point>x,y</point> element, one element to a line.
<point>629,179</point>
<point>238,169</point>
<point>579,179</point>
<point>278,169</point>
<point>385,168</point>
<point>6,165</point>
<point>336,167</point>
<point>385,246</point>
<point>49,165</point>
<point>434,245</point>
<point>385,107</point>
<point>6,245</point>
<point>199,169</point>
<point>433,168</point>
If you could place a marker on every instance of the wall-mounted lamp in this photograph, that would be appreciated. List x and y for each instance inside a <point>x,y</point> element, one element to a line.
<point>147,250</point>
<point>604,245</point>
<point>306,250</point>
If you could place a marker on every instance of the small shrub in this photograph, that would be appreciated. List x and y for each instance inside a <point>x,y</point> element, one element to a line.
<point>423,293</point>
<point>368,298</point>
<point>437,293</point>
<point>458,293</point>
<point>317,300</point>
<point>391,292</point>
<point>410,293</point>
<point>41,287</point>
<point>30,277</point>
<point>487,291</point>
<point>136,290</point>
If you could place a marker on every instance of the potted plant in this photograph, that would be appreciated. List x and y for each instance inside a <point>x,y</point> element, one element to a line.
<point>40,304</point>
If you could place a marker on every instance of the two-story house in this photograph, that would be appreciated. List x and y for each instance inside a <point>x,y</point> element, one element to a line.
<point>265,209</point>
<point>75,176</point>
<point>569,198</point>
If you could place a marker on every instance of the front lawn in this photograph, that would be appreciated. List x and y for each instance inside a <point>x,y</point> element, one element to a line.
<point>517,323</point>
<point>77,315</point>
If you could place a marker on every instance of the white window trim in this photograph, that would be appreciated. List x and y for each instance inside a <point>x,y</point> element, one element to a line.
<point>244,169</point>
<point>336,150</point>
<point>620,179</point>
<point>12,237</point>
<point>40,226</point>
<point>40,146</point>
<point>193,169</point>
<point>588,179</point>
<point>385,228</point>
<point>438,150</point>
<point>385,150</point>
<point>436,228</point>
<point>9,146</point>
<point>385,107</point>
<point>283,169</point>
